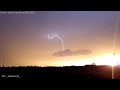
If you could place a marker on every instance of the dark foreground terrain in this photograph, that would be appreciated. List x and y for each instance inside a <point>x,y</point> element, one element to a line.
<point>58,73</point>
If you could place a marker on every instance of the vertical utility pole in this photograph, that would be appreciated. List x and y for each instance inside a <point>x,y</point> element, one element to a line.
<point>3,61</point>
<point>113,69</point>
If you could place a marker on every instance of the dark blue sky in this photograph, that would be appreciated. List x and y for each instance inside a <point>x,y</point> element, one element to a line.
<point>24,37</point>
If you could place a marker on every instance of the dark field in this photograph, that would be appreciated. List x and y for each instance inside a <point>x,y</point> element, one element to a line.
<point>59,73</point>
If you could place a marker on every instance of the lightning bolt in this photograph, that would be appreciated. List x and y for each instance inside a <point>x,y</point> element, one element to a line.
<point>58,38</point>
<point>115,38</point>
<point>115,34</point>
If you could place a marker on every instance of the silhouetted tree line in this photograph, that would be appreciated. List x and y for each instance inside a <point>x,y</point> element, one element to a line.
<point>66,72</point>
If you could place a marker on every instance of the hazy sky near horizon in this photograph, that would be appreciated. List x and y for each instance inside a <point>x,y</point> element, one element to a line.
<point>86,35</point>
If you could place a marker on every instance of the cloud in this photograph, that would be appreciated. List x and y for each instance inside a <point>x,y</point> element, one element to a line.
<point>69,52</point>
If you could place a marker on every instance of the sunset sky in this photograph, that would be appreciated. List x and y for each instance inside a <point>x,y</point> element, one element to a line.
<point>88,38</point>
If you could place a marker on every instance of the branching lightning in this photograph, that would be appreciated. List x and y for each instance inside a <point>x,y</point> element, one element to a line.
<point>59,39</point>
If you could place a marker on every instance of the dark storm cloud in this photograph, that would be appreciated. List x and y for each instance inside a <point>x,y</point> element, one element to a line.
<point>69,52</point>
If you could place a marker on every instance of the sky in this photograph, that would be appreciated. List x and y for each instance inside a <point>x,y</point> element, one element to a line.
<point>88,37</point>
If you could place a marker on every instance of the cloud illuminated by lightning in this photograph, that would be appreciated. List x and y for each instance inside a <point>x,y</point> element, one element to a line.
<point>58,38</point>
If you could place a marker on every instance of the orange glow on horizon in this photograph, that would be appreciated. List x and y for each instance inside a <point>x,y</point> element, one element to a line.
<point>103,60</point>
